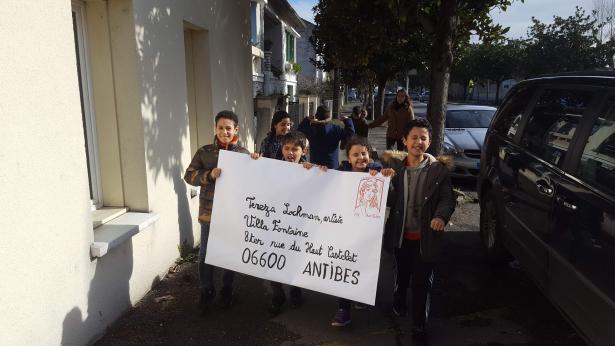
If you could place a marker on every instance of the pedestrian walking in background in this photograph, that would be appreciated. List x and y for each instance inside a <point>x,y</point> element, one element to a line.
<point>271,147</point>
<point>361,128</point>
<point>398,114</point>
<point>325,137</point>
<point>422,204</point>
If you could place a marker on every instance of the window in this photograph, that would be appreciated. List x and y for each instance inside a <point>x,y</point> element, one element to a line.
<point>291,93</point>
<point>597,166</point>
<point>552,124</point>
<point>198,86</point>
<point>469,118</point>
<point>87,109</point>
<point>254,22</point>
<point>290,47</point>
<point>509,118</point>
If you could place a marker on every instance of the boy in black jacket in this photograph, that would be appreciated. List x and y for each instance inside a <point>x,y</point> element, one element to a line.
<point>423,203</point>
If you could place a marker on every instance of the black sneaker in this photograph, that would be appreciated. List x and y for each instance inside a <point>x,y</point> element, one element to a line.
<point>400,309</point>
<point>341,318</point>
<point>360,306</point>
<point>226,297</point>
<point>419,334</point>
<point>296,300</point>
<point>274,309</point>
<point>205,301</point>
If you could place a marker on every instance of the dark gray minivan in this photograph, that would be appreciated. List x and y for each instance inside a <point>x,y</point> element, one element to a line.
<point>547,193</point>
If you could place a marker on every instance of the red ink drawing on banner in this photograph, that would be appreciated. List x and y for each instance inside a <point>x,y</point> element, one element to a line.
<point>369,197</point>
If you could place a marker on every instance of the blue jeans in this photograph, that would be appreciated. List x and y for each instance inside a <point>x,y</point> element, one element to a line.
<point>206,271</point>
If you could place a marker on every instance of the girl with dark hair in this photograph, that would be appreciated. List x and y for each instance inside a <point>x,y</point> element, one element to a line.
<point>399,114</point>
<point>358,150</point>
<point>271,147</point>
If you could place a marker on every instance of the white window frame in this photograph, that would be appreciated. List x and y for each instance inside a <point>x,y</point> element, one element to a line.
<point>78,8</point>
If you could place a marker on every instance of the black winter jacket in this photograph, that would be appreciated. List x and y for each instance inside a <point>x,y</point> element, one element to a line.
<point>438,201</point>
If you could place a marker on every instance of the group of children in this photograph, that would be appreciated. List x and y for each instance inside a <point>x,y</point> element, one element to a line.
<point>420,197</point>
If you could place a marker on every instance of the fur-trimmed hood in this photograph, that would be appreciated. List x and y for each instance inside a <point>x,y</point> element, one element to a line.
<point>396,158</point>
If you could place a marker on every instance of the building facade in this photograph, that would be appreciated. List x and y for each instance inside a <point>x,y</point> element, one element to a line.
<point>309,74</point>
<point>275,30</point>
<point>104,104</point>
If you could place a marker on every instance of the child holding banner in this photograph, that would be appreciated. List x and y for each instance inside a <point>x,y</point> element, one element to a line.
<point>203,172</point>
<point>271,146</point>
<point>357,152</point>
<point>293,149</point>
<point>423,203</point>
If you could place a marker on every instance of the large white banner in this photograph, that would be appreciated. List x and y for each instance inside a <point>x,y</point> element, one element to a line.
<point>308,228</point>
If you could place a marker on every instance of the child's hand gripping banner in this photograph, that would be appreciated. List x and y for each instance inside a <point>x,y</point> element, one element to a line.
<point>307,228</point>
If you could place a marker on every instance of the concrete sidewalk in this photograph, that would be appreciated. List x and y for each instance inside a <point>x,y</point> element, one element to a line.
<point>472,305</point>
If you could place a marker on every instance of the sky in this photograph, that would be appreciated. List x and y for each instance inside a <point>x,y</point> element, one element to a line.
<point>518,16</point>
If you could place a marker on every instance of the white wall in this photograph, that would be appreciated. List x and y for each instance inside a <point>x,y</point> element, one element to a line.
<point>44,216</point>
<point>51,291</point>
<point>305,52</point>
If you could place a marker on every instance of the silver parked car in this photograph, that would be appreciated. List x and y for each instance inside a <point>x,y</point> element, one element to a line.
<point>464,133</point>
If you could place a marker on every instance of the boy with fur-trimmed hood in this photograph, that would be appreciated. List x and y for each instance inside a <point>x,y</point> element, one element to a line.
<point>422,204</point>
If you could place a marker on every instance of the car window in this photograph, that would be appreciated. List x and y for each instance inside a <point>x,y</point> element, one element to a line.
<point>553,121</point>
<point>597,166</point>
<point>509,118</point>
<point>469,118</point>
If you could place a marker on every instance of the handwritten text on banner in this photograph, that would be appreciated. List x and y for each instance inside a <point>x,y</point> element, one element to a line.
<point>307,228</point>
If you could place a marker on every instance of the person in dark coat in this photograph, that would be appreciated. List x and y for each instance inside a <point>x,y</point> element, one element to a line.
<point>361,128</point>
<point>325,137</point>
<point>422,204</point>
<point>358,115</point>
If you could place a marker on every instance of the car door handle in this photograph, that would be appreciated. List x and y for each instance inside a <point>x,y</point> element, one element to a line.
<point>544,188</point>
<point>562,201</point>
<point>511,153</point>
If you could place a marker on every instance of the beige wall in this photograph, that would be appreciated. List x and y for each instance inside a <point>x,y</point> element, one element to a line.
<point>222,75</point>
<point>52,288</point>
<point>44,216</point>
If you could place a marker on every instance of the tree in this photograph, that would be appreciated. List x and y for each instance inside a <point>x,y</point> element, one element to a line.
<point>359,34</point>
<point>342,36</point>
<point>569,44</point>
<point>499,61</point>
<point>362,78</point>
<point>465,67</point>
<point>447,24</point>
<point>604,14</point>
<point>395,56</point>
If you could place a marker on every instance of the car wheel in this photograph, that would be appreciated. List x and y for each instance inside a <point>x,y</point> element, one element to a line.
<point>490,229</point>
